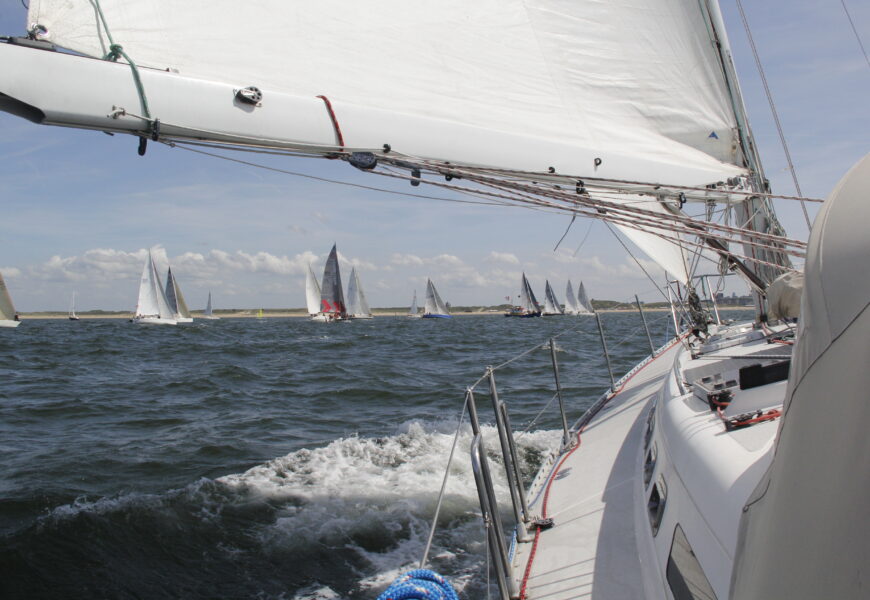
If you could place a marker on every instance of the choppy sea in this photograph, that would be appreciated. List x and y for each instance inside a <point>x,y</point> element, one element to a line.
<point>270,458</point>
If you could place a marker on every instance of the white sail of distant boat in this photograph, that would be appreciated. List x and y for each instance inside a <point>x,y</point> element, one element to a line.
<point>152,307</point>
<point>209,313</point>
<point>570,300</point>
<point>434,307</point>
<point>551,304</point>
<point>72,308</point>
<point>414,311</point>
<point>312,293</point>
<point>8,316</point>
<point>528,305</point>
<point>175,299</point>
<point>332,306</point>
<point>584,306</point>
<point>357,305</point>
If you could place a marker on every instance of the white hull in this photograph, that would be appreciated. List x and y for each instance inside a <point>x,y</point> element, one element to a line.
<point>354,317</point>
<point>153,321</point>
<point>209,317</point>
<point>320,318</point>
<point>183,319</point>
<point>9,323</point>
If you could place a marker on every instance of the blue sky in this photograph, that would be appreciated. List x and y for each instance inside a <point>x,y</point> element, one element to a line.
<point>80,207</point>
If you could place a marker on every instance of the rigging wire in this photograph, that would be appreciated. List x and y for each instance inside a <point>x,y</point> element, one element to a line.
<point>774,111</point>
<point>857,37</point>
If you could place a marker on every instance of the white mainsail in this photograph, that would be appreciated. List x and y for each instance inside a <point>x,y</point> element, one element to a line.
<point>175,299</point>
<point>551,304</point>
<point>152,306</point>
<point>673,121</point>
<point>434,305</point>
<point>209,314</point>
<point>357,305</point>
<point>570,302</point>
<point>312,292</point>
<point>7,310</point>
<point>584,306</point>
<point>527,297</point>
<point>414,310</point>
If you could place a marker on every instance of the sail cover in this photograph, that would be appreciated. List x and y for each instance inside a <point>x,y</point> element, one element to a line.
<point>331,294</point>
<point>551,304</point>
<point>312,293</point>
<point>7,310</point>
<point>434,304</point>
<point>638,85</point>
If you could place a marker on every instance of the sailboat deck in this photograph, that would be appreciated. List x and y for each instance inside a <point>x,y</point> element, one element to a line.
<point>591,551</point>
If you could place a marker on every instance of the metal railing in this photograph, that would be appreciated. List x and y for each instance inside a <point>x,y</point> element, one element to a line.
<point>522,518</point>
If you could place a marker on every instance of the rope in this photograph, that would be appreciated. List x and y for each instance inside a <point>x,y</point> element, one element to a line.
<point>444,484</point>
<point>117,51</point>
<point>773,110</point>
<point>335,125</point>
<point>419,584</point>
<point>857,37</point>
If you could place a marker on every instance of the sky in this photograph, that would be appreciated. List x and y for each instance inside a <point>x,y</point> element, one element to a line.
<point>80,208</point>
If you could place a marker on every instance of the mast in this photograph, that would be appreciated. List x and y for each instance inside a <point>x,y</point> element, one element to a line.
<point>755,213</point>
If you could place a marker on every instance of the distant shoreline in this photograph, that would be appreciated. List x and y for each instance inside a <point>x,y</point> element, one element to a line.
<point>249,314</point>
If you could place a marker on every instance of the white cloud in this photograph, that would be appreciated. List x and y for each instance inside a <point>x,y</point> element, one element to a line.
<point>406,260</point>
<point>502,257</point>
<point>10,272</point>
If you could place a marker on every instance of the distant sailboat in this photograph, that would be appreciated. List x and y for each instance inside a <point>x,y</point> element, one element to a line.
<point>152,307</point>
<point>312,293</point>
<point>175,298</point>
<point>435,307</point>
<point>414,311</point>
<point>260,314</point>
<point>208,314</point>
<point>357,305</point>
<point>551,304</point>
<point>8,316</point>
<point>528,306</point>
<point>332,307</point>
<point>584,306</point>
<point>72,308</point>
<point>570,300</point>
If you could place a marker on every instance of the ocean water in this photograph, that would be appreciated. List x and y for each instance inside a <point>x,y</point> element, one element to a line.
<point>271,458</point>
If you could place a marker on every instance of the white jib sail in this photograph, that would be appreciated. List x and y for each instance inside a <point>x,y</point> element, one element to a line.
<point>208,310</point>
<point>312,292</point>
<point>414,310</point>
<point>570,302</point>
<point>584,306</point>
<point>7,310</point>
<point>551,304</point>
<point>147,305</point>
<point>642,90</point>
<point>434,304</point>
<point>357,305</point>
<point>174,297</point>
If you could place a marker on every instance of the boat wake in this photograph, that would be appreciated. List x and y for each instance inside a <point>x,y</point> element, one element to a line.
<point>340,521</point>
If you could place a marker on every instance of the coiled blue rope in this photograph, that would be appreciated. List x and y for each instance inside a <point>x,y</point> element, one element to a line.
<point>419,584</point>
